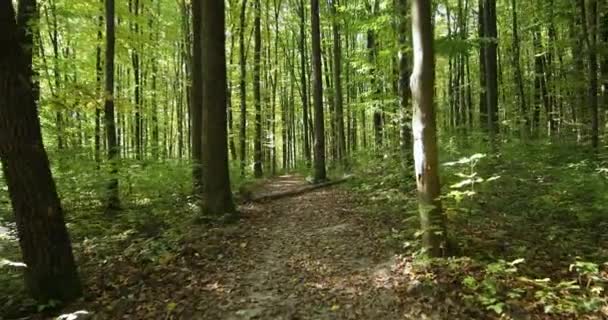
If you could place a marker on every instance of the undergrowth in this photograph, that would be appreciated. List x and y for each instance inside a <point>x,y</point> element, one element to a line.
<point>530,224</point>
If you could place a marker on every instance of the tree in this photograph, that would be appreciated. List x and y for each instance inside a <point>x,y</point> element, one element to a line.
<point>243,89</point>
<point>257,140</point>
<point>422,83</point>
<point>491,66</point>
<point>217,197</point>
<point>483,102</point>
<point>304,82</point>
<point>319,127</point>
<point>589,26</point>
<point>337,70</point>
<point>403,85</point>
<point>518,72</point>
<point>113,199</point>
<point>51,272</point>
<point>197,98</point>
<point>372,47</point>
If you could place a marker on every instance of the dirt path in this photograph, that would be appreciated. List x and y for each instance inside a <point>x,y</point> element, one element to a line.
<point>311,257</point>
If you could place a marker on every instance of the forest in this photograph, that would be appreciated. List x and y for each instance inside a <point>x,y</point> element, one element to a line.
<point>303,159</point>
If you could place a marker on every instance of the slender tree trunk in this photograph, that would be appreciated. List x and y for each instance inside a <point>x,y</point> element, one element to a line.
<point>257,141</point>
<point>422,85</point>
<point>304,82</point>
<point>403,87</point>
<point>99,79</point>
<point>374,86</point>
<point>231,134</point>
<point>491,66</point>
<point>590,35</point>
<point>525,127</point>
<point>319,161</point>
<point>483,112</point>
<point>338,99</point>
<point>155,105</point>
<point>113,200</point>
<point>197,97</point>
<point>134,10</point>
<point>51,272</point>
<point>539,80</point>
<point>243,89</point>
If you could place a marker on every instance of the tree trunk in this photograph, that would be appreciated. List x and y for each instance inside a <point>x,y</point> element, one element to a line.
<point>243,90</point>
<point>304,83</point>
<point>51,272</point>
<point>403,86</point>
<point>519,79</point>
<point>134,9</point>
<point>491,66</point>
<point>374,86</point>
<point>257,141</point>
<point>99,79</point>
<point>483,113</point>
<point>590,35</point>
<point>319,161</point>
<point>338,99</point>
<point>422,84</point>
<point>113,200</point>
<point>197,98</point>
<point>217,192</point>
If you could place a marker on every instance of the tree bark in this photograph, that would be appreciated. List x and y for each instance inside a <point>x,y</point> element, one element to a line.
<point>135,60</point>
<point>424,130</point>
<point>51,272</point>
<point>519,79</point>
<point>491,66</point>
<point>113,200</point>
<point>319,127</point>
<point>338,99</point>
<point>403,86</point>
<point>243,90</point>
<point>257,141</point>
<point>374,86</point>
<point>304,83</point>
<point>483,112</point>
<point>590,35</point>
<point>197,98</point>
<point>217,192</point>
<point>99,79</point>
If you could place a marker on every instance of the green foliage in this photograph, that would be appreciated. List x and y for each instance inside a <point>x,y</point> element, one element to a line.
<point>497,204</point>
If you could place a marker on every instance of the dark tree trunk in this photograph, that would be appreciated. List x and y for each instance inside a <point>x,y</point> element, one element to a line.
<point>539,81</point>
<point>590,35</point>
<point>319,161</point>
<point>403,86</point>
<point>217,193</point>
<point>372,48</point>
<point>99,79</point>
<point>113,200</point>
<point>491,66</point>
<point>304,82</point>
<point>197,98</point>
<point>483,113</point>
<point>257,141</point>
<point>518,72</point>
<point>338,99</point>
<point>51,272</point>
<point>243,89</point>
<point>231,133</point>
<point>134,9</point>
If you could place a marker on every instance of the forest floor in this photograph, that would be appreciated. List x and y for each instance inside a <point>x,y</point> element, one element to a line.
<point>531,245</point>
<point>311,256</point>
